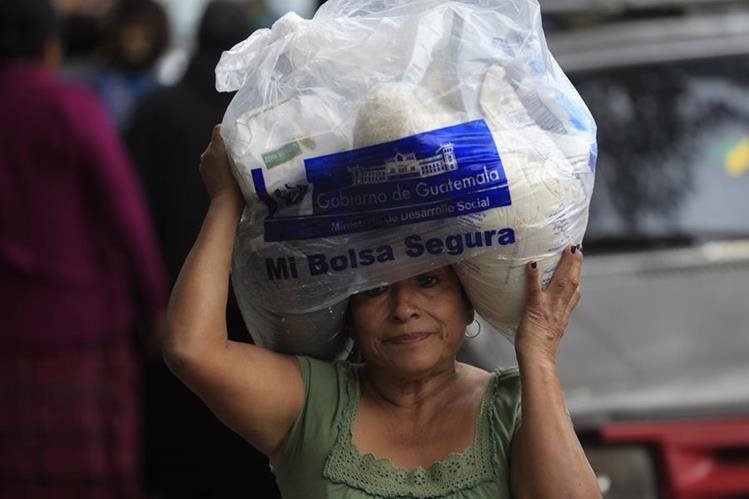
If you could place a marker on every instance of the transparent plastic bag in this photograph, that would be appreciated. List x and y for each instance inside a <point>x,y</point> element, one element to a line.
<point>384,138</point>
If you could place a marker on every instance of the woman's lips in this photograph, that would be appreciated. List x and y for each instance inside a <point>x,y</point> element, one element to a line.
<point>404,339</point>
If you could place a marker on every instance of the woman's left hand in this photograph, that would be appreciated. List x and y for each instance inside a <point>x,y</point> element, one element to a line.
<point>547,311</point>
<point>215,169</point>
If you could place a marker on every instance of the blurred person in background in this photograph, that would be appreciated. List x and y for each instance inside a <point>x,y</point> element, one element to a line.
<point>79,266</point>
<point>135,36</point>
<point>165,136</point>
<point>80,36</point>
<point>268,11</point>
<point>167,128</point>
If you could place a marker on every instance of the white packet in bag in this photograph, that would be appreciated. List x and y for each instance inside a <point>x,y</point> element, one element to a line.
<point>385,138</point>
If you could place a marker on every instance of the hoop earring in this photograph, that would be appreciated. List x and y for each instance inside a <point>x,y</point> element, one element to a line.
<point>473,329</point>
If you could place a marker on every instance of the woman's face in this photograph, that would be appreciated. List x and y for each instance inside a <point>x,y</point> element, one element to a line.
<point>413,326</point>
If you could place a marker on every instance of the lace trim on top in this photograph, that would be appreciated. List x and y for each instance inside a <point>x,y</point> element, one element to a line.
<point>379,477</point>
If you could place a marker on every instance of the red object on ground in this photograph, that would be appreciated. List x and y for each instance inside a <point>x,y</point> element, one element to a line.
<point>700,459</point>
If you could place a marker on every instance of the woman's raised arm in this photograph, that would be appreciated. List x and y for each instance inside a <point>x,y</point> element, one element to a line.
<point>255,392</point>
<point>547,460</point>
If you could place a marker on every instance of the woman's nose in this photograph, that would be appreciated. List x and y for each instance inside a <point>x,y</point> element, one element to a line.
<point>403,302</point>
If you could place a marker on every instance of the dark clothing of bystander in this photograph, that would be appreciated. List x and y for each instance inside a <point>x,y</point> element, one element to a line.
<point>78,265</point>
<point>189,452</point>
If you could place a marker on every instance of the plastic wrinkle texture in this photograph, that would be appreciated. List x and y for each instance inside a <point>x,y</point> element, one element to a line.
<point>381,139</point>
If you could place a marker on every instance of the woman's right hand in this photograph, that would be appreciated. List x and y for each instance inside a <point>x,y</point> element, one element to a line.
<point>256,392</point>
<point>547,311</point>
<point>215,169</point>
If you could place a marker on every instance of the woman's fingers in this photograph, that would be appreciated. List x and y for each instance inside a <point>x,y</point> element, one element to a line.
<point>567,275</point>
<point>214,166</point>
<point>575,299</point>
<point>547,311</point>
<point>566,281</point>
<point>532,278</point>
<point>217,141</point>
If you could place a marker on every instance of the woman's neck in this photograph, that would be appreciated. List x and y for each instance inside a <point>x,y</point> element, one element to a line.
<point>399,392</point>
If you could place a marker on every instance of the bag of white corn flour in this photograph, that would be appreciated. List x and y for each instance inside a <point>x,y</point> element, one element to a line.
<point>384,138</point>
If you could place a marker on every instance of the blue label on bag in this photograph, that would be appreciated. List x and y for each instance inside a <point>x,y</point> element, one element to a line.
<point>439,174</point>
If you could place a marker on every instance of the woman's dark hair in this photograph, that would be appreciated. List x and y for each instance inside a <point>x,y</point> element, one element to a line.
<point>25,27</point>
<point>224,24</point>
<point>146,15</point>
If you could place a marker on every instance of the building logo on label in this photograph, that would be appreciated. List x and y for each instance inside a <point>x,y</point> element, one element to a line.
<point>406,166</point>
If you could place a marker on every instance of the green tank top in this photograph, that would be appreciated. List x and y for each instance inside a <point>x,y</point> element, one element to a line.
<point>319,460</point>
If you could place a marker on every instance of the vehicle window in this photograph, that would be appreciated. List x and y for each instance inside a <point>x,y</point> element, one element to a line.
<point>673,142</point>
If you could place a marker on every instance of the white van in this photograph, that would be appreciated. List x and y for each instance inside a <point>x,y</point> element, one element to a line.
<point>655,363</point>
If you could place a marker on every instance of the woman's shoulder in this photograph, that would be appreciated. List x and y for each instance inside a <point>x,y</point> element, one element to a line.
<point>318,367</point>
<point>500,391</point>
<point>328,390</point>
<point>505,384</point>
<point>509,375</point>
<point>325,381</point>
<point>500,376</point>
<point>503,405</point>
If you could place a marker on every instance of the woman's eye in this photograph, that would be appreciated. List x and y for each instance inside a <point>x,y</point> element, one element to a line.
<point>427,280</point>
<point>376,291</point>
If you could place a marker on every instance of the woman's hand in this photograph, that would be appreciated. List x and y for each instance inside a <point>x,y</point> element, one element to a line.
<point>547,311</point>
<point>257,393</point>
<point>215,169</point>
<point>540,470</point>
